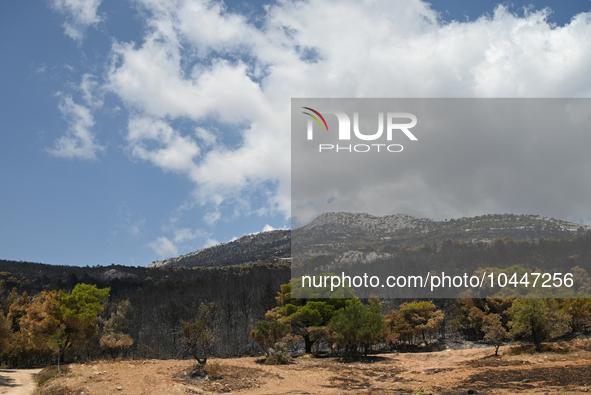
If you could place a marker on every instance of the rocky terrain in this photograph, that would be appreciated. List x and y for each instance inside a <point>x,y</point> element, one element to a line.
<point>337,232</point>
<point>256,248</point>
<point>354,235</point>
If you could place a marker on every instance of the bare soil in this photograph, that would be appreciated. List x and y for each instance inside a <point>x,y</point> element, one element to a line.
<point>561,368</point>
<point>18,381</point>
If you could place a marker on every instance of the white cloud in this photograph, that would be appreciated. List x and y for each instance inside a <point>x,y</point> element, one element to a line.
<point>202,63</point>
<point>184,234</point>
<point>207,137</point>
<point>210,242</point>
<point>174,153</point>
<point>88,85</point>
<point>79,141</point>
<point>163,247</point>
<point>79,15</point>
<point>268,228</point>
<point>212,217</point>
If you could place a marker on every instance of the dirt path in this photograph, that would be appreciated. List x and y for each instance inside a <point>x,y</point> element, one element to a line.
<point>17,381</point>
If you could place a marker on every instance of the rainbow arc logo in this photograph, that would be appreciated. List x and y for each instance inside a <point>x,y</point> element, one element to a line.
<point>316,119</point>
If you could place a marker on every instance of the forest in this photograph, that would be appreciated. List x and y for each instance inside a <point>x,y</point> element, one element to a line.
<point>61,313</point>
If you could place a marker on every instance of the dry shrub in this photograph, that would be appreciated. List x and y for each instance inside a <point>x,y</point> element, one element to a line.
<point>530,349</point>
<point>218,377</point>
<point>56,388</point>
<point>49,373</point>
<point>278,355</point>
<point>114,343</point>
<point>426,390</point>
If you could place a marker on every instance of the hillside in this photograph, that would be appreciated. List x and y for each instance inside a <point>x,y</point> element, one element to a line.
<point>337,233</point>
<point>255,248</point>
<point>332,232</point>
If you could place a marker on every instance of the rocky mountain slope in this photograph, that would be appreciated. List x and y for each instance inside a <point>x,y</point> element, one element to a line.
<point>340,233</point>
<point>334,232</point>
<point>260,247</point>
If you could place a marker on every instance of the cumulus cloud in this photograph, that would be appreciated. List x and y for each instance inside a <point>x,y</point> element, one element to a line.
<point>79,15</point>
<point>207,137</point>
<point>268,228</point>
<point>88,86</point>
<point>163,247</point>
<point>210,242</point>
<point>201,63</point>
<point>185,234</point>
<point>173,153</point>
<point>180,238</point>
<point>79,141</point>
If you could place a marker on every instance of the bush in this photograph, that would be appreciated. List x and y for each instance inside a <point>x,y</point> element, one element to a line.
<point>278,355</point>
<point>114,343</point>
<point>426,390</point>
<point>268,333</point>
<point>49,373</point>
<point>60,389</point>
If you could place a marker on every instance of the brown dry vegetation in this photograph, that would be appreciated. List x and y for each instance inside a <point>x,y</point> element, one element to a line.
<point>561,368</point>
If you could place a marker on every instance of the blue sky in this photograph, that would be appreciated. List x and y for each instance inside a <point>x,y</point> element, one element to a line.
<point>138,130</point>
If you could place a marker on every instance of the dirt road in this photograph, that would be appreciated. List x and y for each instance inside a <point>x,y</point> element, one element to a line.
<point>17,381</point>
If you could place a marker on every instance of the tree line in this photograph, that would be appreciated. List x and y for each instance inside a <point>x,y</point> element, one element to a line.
<point>54,325</point>
<point>46,314</point>
<point>348,327</point>
<point>141,317</point>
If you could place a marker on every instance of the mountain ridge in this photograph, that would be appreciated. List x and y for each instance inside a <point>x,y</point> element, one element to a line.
<point>248,249</point>
<point>341,232</point>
